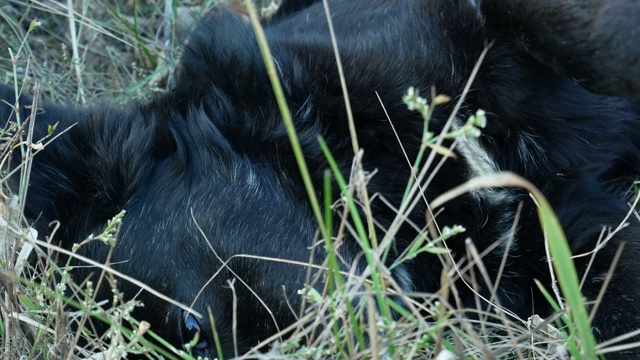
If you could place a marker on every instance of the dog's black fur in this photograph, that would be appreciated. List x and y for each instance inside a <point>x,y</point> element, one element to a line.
<point>589,40</point>
<point>214,146</point>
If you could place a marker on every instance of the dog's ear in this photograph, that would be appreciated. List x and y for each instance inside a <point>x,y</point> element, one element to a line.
<point>287,7</point>
<point>593,41</point>
<point>89,159</point>
<point>221,50</point>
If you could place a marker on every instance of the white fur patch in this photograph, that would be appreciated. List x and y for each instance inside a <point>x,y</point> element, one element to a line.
<point>480,163</point>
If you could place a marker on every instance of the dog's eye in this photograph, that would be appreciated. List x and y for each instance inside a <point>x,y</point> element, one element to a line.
<point>191,330</point>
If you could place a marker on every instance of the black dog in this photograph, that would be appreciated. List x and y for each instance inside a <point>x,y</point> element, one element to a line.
<point>213,153</point>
